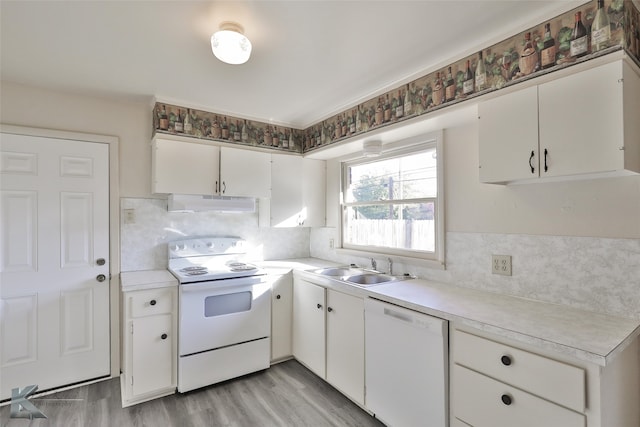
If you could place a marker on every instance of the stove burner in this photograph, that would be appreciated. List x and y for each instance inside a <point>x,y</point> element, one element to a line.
<point>235,264</point>
<point>243,267</point>
<point>196,272</point>
<point>194,269</point>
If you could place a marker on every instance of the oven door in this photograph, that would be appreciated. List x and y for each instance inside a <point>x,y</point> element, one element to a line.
<point>225,312</point>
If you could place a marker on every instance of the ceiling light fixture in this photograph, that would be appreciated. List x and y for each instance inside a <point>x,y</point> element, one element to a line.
<point>230,45</point>
<point>372,148</point>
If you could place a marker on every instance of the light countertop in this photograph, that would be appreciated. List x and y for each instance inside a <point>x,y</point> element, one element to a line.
<point>146,279</point>
<point>593,337</point>
<point>583,335</point>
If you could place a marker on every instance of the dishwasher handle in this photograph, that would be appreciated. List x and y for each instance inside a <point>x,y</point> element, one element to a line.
<point>396,314</point>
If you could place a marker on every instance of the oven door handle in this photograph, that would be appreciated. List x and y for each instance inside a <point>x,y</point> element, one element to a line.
<point>223,285</point>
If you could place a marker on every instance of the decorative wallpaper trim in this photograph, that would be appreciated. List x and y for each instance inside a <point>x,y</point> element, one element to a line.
<point>560,42</point>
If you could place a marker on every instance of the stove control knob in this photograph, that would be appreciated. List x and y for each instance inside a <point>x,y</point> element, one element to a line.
<point>210,245</point>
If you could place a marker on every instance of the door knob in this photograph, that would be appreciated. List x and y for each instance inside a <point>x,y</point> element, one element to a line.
<point>100,261</point>
<point>101,277</point>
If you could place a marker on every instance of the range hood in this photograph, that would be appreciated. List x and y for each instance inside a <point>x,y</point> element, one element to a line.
<point>203,203</point>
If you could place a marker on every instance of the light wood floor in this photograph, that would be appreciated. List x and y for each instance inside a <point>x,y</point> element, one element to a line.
<point>287,394</point>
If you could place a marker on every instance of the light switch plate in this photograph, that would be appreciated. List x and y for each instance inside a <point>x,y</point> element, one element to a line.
<point>501,264</point>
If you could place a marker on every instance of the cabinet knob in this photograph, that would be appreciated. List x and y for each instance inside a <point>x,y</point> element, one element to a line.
<point>163,336</point>
<point>329,309</point>
<point>506,399</point>
<point>506,360</point>
<point>152,302</point>
<point>319,305</point>
<point>278,296</point>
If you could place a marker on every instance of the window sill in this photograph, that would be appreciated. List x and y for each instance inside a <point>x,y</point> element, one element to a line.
<point>405,260</point>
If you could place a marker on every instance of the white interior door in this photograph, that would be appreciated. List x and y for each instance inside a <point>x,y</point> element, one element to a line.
<point>54,247</point>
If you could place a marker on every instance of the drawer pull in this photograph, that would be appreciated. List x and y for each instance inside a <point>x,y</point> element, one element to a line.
<point>506,360</point>
<point>506,399</point>
<point>163,336</point>
<point>152,302</point>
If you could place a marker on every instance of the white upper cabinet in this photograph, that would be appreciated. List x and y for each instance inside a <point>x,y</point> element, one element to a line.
<point>297,193</point>
<point>508,129</point>
<point>585,124</point>
<point>180,167</point>
<point>245,173</point>
<point>584,119</point>
<point>184,168</point>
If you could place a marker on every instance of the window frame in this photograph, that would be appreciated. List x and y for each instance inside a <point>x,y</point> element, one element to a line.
<point>435,259</point>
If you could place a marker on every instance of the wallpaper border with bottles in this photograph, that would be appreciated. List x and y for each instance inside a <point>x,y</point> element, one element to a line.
<point>539,50</point>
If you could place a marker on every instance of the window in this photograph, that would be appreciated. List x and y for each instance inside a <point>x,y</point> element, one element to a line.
<point>393,204</point>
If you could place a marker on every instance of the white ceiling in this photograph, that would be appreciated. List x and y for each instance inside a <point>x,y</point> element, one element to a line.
<point>311,59</point>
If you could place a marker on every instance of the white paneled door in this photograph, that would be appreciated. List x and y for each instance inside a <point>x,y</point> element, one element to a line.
<point>54,262</point>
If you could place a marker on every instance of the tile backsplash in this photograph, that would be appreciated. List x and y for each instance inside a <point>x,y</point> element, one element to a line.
<point>143,240</point>
<point>595,274</point>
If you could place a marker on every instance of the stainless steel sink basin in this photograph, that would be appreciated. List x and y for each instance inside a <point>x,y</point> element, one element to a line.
<point>358,276</point>
<point>370,279</point>
<point>338,271</point>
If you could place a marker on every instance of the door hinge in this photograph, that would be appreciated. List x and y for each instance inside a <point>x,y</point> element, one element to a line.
<point>132,329</point>
<point>131,379</point>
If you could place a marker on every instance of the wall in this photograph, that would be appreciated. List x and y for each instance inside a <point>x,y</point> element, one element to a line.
<point>142,243</point>
<point>575,243</point>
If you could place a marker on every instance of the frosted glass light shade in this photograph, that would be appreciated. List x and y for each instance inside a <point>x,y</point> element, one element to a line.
<point>230,45</point>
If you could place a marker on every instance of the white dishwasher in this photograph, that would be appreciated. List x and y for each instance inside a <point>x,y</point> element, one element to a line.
<point>406,366</point>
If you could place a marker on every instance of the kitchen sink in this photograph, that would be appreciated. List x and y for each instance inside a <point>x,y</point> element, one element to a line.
<point>338,271</point>
<point>358,276</point>
<point>368,279</point>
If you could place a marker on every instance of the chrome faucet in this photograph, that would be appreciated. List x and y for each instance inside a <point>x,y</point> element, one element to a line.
<point>374,265</point>
<point>390,265</point>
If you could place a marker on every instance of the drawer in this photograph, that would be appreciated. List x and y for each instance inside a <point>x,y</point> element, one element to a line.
<point>544,377</point>
<point>480,401</point>
<point>151,302</point>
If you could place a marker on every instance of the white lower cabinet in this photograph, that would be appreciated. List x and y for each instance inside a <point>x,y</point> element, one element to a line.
<point>328,336</point>
<point>345,344</point>
<point>495,383</point>
<point>149,344</point>
<point>281,317</point>
<point>309,326</point>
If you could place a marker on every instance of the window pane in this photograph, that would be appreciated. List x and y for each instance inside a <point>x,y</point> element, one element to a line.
<point>408,177</point>
<point>408,226</point>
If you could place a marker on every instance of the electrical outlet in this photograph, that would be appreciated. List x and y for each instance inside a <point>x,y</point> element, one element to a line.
<point>129,216</point>
<point>330,243</point>
<point>501,264</point>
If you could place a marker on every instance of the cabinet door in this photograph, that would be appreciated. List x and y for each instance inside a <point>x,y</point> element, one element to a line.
<point>286,195</point>
<point>581,122</point>
<point>184,168</point>
<point>345,344</point>
<point>313,192</point>
<point>152,355</point>
<point>309,325</point>
<point>281,316</point>
<point>508,137</point>
<point>245,173</point>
